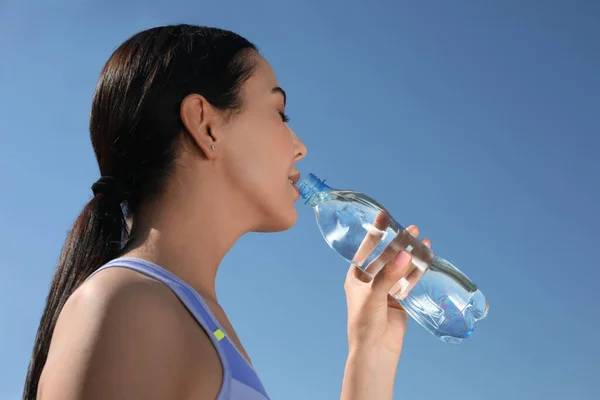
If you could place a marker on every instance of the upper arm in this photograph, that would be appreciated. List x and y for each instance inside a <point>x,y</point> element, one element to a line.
<point>129,341</point>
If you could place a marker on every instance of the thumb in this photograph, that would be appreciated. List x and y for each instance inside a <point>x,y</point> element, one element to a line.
<point>391,273</point>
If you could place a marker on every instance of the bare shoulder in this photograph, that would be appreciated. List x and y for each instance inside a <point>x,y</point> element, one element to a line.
<point>122,335</point>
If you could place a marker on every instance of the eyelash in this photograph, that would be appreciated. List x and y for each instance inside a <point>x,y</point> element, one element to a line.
<point>284,117</point>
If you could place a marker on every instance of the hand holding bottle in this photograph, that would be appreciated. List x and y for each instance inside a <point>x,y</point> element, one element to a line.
<point>376,321</point>
<point>374,317</point>
<point>435,293</point>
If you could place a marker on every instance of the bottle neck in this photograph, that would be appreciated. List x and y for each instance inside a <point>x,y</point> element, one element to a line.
<point>310,186</point>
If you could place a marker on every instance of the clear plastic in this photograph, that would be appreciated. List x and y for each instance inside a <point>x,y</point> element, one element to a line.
<point>434,292</point>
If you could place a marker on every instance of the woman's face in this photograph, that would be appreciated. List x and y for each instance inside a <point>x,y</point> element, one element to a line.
<point>260,151</point>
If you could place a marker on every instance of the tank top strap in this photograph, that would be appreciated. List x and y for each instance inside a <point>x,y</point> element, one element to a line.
<point>240,381</point>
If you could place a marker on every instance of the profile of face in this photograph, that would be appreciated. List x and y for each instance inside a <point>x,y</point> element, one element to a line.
<point>256,152</point>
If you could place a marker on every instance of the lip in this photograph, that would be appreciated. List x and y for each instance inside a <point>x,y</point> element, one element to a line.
<point>295,178</point>
<point>297,191</point>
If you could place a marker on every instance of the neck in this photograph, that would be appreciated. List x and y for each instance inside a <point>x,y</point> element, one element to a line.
<point>189,230</point>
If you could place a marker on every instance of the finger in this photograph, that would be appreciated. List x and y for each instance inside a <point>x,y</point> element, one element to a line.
<point>393,303</point>
<point>355,274</point>
<point>369,243</point>
<point>413,230</point>
<point>380,261</point>
<point>372,239</point>
<point>402,241</point>
<point>391,273</point>
<point>406,284</point>
<point>422,258</point>
<point>381,221</point>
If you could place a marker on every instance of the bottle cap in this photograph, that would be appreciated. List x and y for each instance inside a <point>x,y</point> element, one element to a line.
<point>311,185</point>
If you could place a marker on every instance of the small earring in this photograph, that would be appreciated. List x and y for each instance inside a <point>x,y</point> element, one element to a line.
<point>212,147</point>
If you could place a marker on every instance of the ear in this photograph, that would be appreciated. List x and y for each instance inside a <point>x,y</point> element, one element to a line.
<point>199,117</point>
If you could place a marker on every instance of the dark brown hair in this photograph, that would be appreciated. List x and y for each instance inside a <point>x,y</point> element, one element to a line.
<point>135,130</point>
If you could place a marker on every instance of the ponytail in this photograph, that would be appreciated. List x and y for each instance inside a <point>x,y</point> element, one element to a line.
<point>95,239</point>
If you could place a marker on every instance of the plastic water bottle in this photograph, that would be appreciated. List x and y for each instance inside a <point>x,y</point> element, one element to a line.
<point>434,292</point>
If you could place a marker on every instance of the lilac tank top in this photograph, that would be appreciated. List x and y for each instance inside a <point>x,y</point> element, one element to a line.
<point>240,381</point>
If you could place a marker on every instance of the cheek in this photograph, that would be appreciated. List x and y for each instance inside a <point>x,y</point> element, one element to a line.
<point>261,159</point>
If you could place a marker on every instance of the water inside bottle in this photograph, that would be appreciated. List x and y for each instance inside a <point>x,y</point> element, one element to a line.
<point>436,294</point>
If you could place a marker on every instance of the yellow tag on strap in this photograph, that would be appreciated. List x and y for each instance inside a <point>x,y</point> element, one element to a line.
<point>219,334</point>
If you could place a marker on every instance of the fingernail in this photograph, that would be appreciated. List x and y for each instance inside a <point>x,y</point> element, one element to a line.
<point>403,257</point>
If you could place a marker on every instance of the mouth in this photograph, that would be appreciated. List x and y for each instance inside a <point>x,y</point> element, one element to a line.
<point>293,179</point>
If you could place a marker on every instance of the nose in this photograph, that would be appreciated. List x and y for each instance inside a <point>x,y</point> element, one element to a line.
<point>299,147</point>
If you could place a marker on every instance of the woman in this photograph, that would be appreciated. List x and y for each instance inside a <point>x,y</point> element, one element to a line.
<point>189,129</point>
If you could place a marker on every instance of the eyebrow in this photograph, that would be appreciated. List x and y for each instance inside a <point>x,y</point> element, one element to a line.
<point>282,92</point>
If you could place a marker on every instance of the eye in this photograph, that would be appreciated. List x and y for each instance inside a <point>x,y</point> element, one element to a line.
<point>284,117</point>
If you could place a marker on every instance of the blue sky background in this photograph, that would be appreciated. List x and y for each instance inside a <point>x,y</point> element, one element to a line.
<point>476,120</point>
